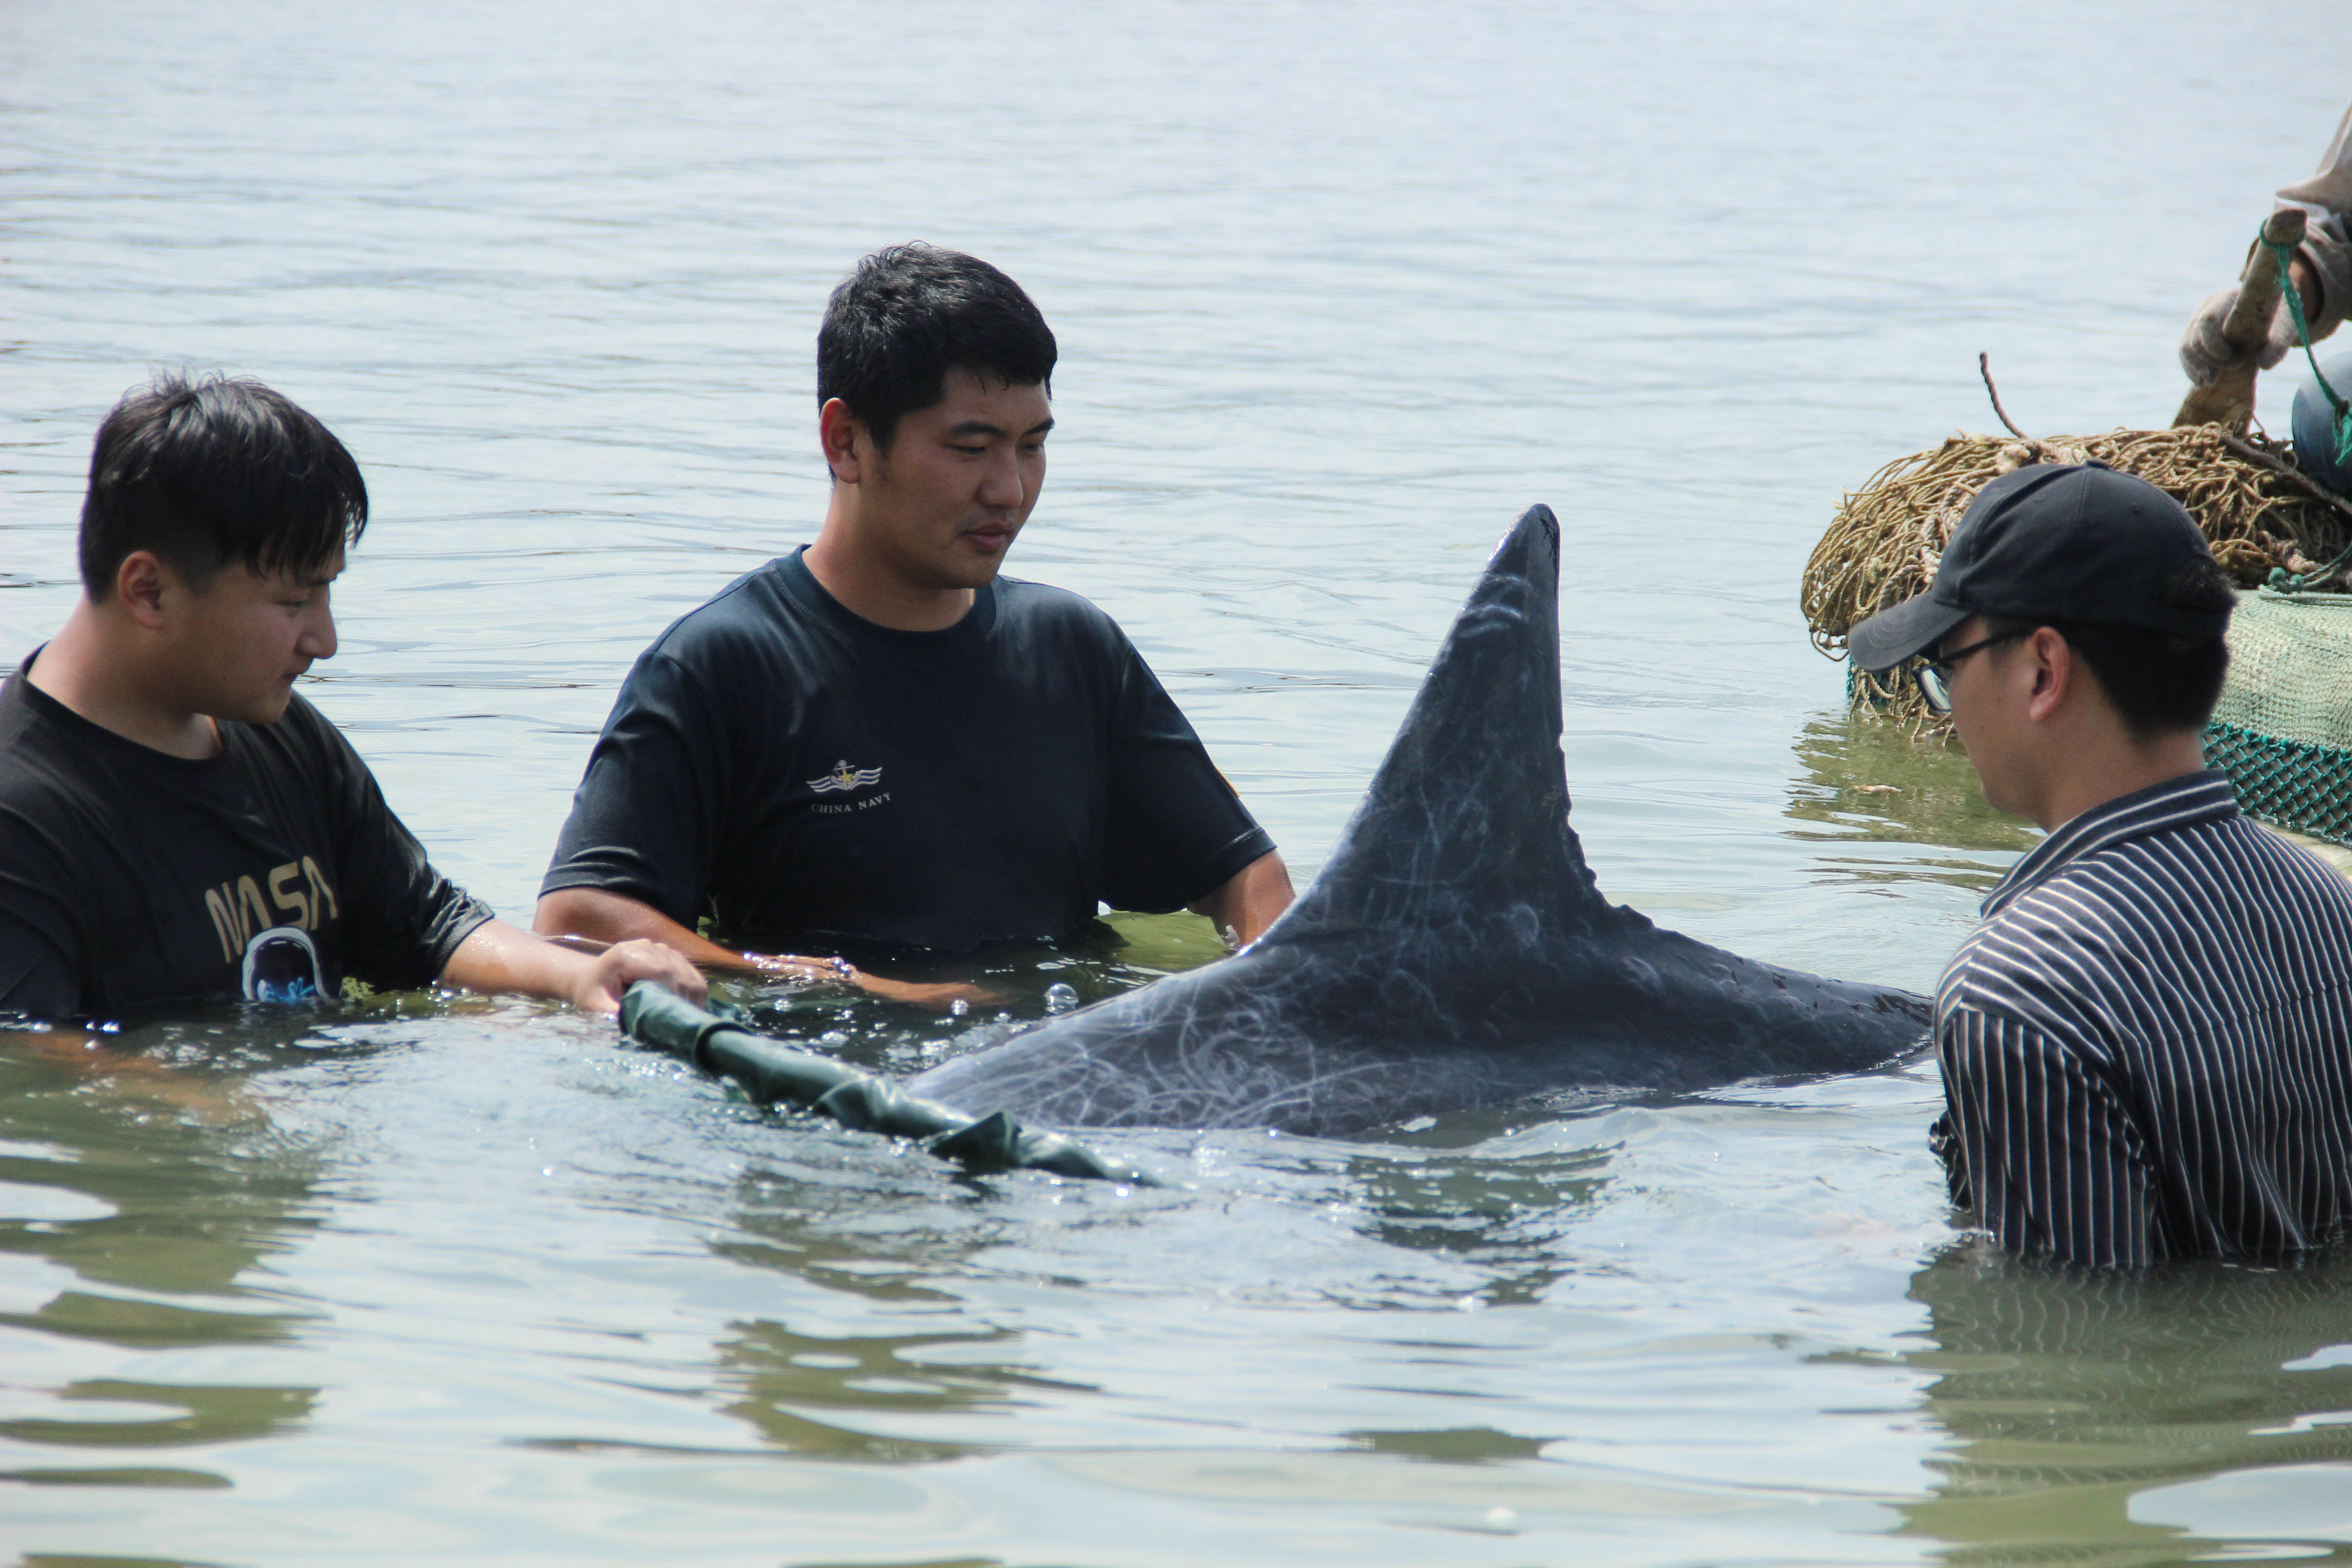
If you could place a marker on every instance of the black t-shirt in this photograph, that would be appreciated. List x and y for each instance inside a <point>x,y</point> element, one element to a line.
<point>801,775</point>
<point>131,881</point>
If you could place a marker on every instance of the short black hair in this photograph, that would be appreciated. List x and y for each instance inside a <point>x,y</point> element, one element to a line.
<point>208,471</point>
<point>2157,681</point>
<point>907,316</point>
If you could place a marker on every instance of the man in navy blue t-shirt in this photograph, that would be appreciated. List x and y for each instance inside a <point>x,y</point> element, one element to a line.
<point>876,743</point>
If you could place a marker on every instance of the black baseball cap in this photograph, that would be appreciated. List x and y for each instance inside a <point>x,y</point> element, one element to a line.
<point>2077,544</point>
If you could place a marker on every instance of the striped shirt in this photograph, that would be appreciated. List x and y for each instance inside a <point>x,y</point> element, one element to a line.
<point>2146,1046</point>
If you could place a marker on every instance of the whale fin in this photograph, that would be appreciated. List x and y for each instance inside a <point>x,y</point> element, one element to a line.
<point>1467,816</point>
<point>1453,952</point>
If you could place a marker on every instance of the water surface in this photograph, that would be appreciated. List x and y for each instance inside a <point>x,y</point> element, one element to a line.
<point>1341,289</point>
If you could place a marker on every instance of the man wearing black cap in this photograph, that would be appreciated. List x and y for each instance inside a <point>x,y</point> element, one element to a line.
<point>2146,1046</point>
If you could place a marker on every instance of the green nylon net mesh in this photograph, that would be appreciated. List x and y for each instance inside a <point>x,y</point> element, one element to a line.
<point>2283,730</point>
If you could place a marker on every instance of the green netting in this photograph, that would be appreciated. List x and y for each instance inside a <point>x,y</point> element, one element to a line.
<point>2283,730</point>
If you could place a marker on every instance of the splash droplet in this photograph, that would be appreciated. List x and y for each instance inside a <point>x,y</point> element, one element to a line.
<point>959,1007</point>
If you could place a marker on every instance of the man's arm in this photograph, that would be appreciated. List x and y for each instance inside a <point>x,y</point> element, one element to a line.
<point>602,917</point>
<point>498,957</point>
<point>1249,900</point>
<point>2054,1166</point>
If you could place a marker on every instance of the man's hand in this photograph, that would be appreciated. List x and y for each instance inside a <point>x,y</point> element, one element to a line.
<point>2205,353</point>
<point>942,995</point>
<point>591,915</point>
<point>499,958</point>
<point>610,974</point>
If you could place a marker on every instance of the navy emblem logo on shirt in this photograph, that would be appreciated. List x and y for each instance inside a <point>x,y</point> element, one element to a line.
<point>845,777</point>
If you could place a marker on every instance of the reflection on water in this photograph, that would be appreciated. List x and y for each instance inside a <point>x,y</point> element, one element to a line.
<point>177,1206</point>
<point>1457,1446</point>
<point>1508,1218</point>
<point>1123,951</point>
<point>2070,1397</point>
<point>174,1214</point>
<point>159,1416</point>
<point>1341,291</point>
<point>1871,784</point>
<point>1874,782</point>
<point>781,1379</point>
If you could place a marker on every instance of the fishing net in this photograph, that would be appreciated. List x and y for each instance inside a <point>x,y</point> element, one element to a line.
<point>1887,539</point>
<point>2283,730</point>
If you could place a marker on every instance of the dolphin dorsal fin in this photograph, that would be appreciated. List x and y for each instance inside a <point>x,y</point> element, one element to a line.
<point>1466,819</point>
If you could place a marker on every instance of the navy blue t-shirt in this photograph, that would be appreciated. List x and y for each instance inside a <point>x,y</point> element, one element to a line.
<point>131,881</point>
<point>803,777</point>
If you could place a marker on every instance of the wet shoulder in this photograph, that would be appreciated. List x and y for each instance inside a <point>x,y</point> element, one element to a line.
<point>2111,899</point>
<point>17,716</point>
<point>1044,613</point>
<point>2042,942</point>
<point>51,757</point>
<point>2184,874</point>
<point>2309,895</point>
<point>1974,972</point>
<point>36,755</point>
<point>753,619</point>
<point>2217,888</point>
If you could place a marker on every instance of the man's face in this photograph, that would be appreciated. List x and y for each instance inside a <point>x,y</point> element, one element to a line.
<point>942,506</point>
<point>240,640</point>
<point>1986,714</point>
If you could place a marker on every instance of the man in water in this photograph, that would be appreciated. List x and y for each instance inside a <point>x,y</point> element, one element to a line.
<point>2321,272</point>
<point>2146,1046</point>
<point>178,826</point>
<point>875,741</point>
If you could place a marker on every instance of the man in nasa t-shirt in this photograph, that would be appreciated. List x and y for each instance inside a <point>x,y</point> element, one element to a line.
<point>176,826</point>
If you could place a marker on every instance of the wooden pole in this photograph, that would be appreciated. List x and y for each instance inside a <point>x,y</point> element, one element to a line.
<point>2228,402</point>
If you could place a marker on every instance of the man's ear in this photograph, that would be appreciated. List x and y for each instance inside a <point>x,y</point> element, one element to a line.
<point>844,441</point>
<point>141,585</point>
<point>2056,672</point>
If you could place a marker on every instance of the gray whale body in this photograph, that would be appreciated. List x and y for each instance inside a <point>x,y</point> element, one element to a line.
<point>1455,952</point>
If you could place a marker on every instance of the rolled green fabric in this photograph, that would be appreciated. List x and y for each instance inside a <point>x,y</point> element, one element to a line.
<point>771,1072</point>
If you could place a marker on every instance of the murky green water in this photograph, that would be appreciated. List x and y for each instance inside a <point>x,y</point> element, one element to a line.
<point>1341,289</point>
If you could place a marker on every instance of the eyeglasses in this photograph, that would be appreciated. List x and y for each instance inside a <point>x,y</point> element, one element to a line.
<point>1935,675</point>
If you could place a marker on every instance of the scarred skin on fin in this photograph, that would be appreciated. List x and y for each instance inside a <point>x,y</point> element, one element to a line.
<point>1454,951</point>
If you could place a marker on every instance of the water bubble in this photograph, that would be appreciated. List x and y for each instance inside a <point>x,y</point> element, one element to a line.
<point>833,1037</point>
<point>1500,1517</point>
<point>959,1007</point>
<point>1060,998</point>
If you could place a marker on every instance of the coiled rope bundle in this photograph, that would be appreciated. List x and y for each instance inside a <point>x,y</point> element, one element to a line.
<point>2262,516</point>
